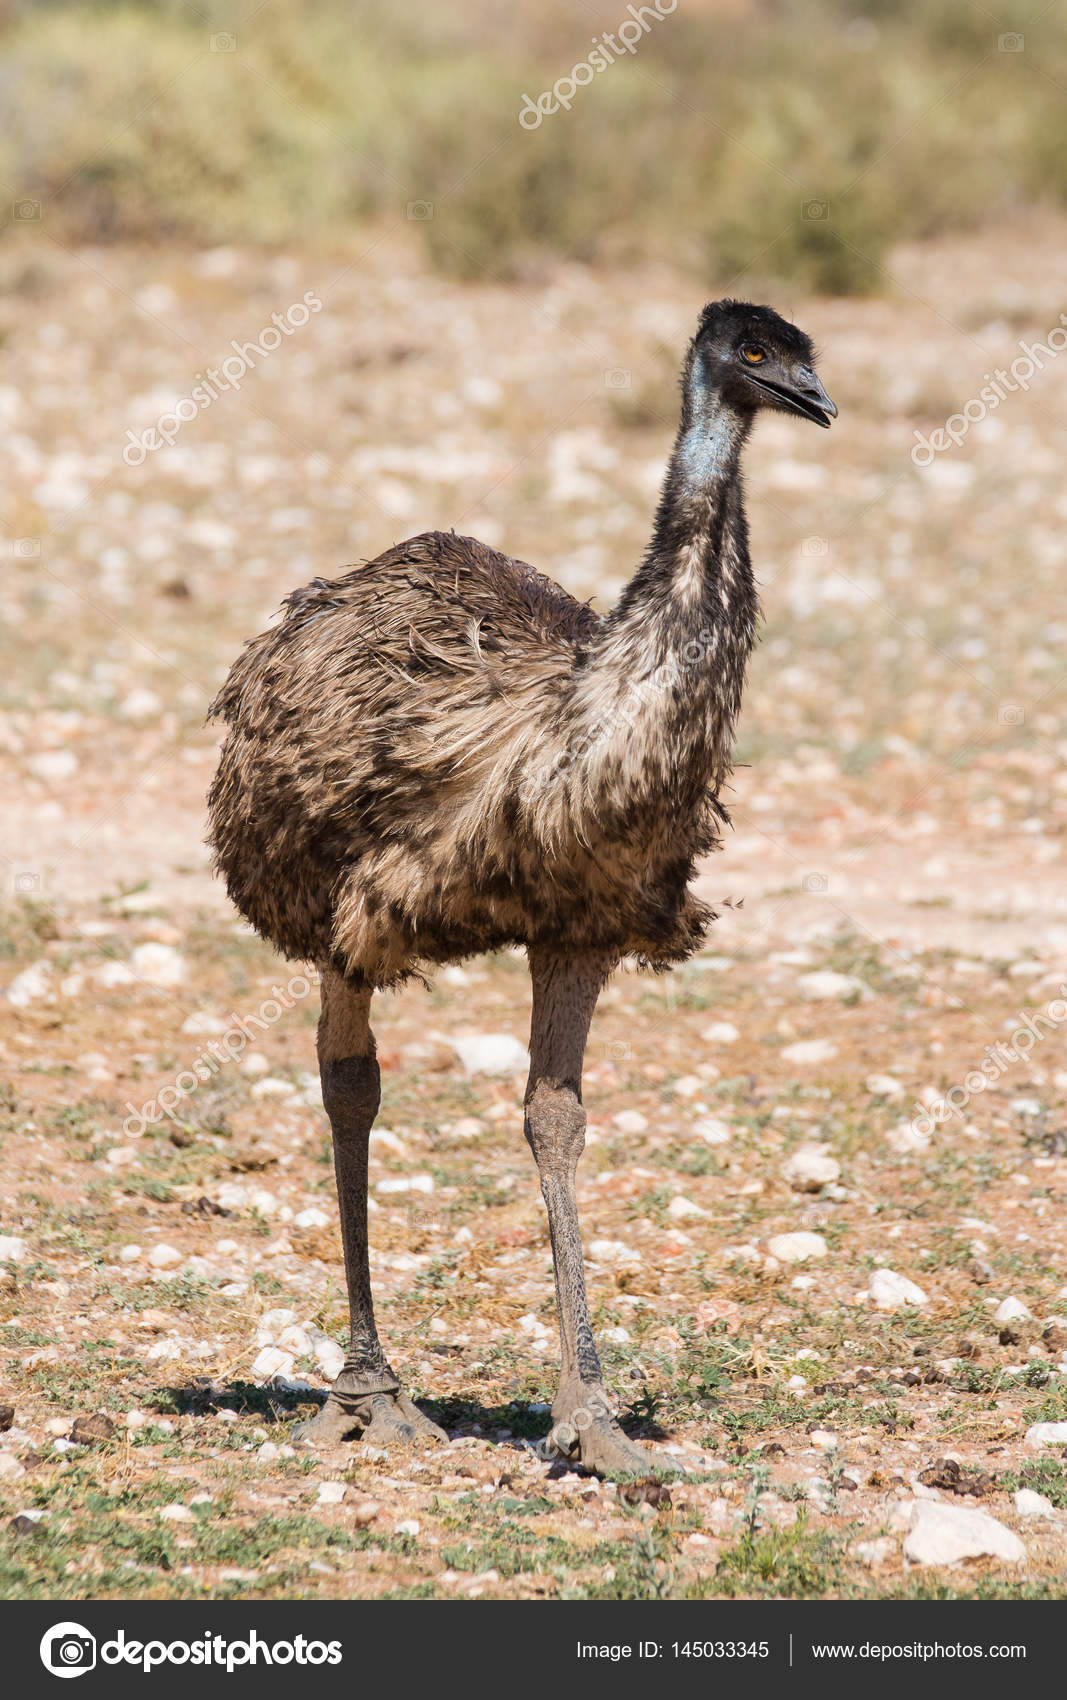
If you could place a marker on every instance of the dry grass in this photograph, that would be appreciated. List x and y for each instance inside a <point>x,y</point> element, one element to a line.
<point>719,141</point>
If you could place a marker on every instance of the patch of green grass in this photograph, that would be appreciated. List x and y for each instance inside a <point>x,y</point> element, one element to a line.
<point>798,1563</point>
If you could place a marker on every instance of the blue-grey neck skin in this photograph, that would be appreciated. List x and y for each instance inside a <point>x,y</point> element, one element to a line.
<point>699,525</point>
<point>710,435</point>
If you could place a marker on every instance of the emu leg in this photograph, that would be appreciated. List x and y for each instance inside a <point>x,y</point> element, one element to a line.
<point>366,1396</point>
<point>565,990</point>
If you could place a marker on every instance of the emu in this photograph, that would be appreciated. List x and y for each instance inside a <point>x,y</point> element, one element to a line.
<point>443,753</point>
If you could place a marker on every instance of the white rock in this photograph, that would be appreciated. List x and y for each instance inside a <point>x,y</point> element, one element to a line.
<point>255,1064</point>
<point>271,1324</point>
<point>200,1023</point>
<point>10,1466</point>
<point>883,1086</point>
<point>468,1127</point>
<point>331,1493</point>
<point>1047,1434</point>
<point>721,1033</point>
<point>687,1086</point>
<point>273,1361</point>
<point>713,1131</point>
<point>12,1249</point>
<point>406,1183</point>
<point>889,1291</point>
<point>810,1168</point>
<point>122,1157</point>
<point>34,983</point>
<point>408,1527</point>
<point>825,985</point>
<point>164,1256</point>
<point>329,1358</point>
<point>616,1336</point>
<point>614,1252</point>
<point>53,766</point>
<point>873,1553</point>
<point>261,1200</point>
<point>796,1248</point>
<point>905,1138</point>
<point>532,1327</point>
<point>950,1534</point>
<point>382,1140</point>
<point>175,1514</point>
<point>1031,1504</point>
<point>682,1209</point>
<point>630,1121</point>
<point>165,1351</point>
<point>296,1340</point>
<point>311,1218</point>
<point>129,1254</point>
<point>491,1053</point>
<point>159,964</point>
<point>111,974</point>
<point>807,1052</point>
<point>271,1087</point>
<point>231,1195</point>
<point>140,704</point>
<point>1013,1310</point>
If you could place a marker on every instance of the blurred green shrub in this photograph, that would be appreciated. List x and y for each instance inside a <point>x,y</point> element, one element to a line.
<point>793,138</point>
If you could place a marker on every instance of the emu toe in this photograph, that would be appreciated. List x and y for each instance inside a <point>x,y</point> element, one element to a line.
<point>383,1418</point>
<point>603,1448</point>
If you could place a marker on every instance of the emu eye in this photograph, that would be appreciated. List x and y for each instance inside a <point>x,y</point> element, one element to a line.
<point>753,353</point>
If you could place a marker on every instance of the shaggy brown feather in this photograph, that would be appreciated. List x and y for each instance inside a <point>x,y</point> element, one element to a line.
<point>393,790</point>
<point>443,752</point>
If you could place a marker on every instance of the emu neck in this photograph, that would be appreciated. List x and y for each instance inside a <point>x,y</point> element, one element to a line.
<point>661,686</point>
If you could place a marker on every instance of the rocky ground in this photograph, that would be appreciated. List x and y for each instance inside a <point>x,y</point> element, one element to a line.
<point>843,1312</point>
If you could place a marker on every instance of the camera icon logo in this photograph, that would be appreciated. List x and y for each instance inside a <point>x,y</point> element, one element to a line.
<point>224,42</point>
<point>68,1649</point>
<point>618,1050</point>
<point>421,210</point>
<point>26,548</point>
<point>816,209</point>
<point>817,883</point>
<point>815,546</point>
<point>1011,43</point>
<point>26,882</point>
<point>618,378</point>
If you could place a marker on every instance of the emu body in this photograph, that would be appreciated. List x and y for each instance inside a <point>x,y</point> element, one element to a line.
<point>442,753</point>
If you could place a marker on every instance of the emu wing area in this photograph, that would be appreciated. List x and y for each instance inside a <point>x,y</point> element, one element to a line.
<point>355,727</point>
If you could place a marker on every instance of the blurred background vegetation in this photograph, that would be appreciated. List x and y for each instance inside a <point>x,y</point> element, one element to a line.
<point>715,145</point>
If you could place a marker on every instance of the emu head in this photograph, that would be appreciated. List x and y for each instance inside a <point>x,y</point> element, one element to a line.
<point>745,357</point>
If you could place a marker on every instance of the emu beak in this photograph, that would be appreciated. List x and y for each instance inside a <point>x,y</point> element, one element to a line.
<point>803,394</point>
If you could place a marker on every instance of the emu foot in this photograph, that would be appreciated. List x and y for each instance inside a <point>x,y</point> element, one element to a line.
<point>385,1419</point>
<point>589,1435</point>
